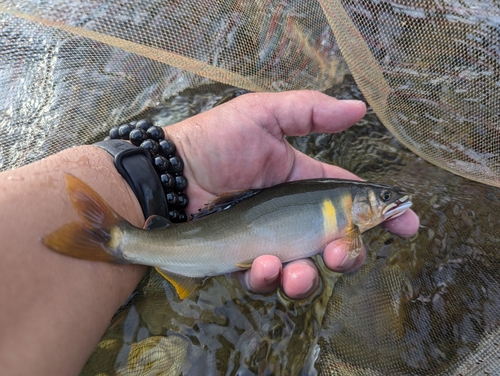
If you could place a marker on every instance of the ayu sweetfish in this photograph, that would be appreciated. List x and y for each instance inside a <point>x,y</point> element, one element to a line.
<point>291,221</point>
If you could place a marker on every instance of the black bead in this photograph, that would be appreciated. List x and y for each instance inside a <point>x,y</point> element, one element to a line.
<point>124,131</point>
<point>172,199</point>
<point>167,181</point>
<point>144,124</point>
<point>156,133</point>
<point>180,183</point>
<point>113,133</point>
<point>182,201</point>
<point>150,145</point>
<point>182,217</point>
<point>137,136</point>
<point>133,123</point>
<point>173,215</point>
<point>161,164</point>
<point>176,165</point>
<point>167,148</point>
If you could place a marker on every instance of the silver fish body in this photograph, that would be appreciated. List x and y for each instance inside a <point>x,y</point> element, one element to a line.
<point>291,221</point>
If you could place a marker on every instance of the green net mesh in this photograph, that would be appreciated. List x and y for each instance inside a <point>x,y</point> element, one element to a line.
<point>69,71</point>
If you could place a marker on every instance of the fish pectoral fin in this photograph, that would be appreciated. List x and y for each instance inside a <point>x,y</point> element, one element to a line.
<point>224,201</point>
<point>156,222</point>
<point>184,286</point>
<point>245,264</point>
<point>355,242</point>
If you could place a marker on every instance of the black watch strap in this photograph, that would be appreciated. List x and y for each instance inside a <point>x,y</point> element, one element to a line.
<point>134,164</point>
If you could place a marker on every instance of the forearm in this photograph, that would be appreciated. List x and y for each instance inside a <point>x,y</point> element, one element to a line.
<point>55,308</point>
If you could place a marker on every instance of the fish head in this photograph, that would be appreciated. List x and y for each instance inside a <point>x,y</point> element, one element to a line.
<point>374,204</point>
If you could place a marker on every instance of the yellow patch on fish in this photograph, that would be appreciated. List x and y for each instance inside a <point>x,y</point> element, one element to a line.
<point>182,284</point>
<point>116,237</point>
<point>329,217</point>
<point>346,202</point>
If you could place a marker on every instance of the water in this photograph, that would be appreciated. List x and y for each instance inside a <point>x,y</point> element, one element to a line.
<point>425,305</point>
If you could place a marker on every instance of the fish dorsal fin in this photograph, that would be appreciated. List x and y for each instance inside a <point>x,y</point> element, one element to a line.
<point>156,222</point>
<point>224,201</point>
<point>184,286</point>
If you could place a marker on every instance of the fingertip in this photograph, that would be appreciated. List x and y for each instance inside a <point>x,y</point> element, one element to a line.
<point>337,259</point>
<point>343,112</point>
<point>355,107</point>
<point>265,274</point>
<point>354,102</point>
<point>406,225</point>
<point>300,279</point>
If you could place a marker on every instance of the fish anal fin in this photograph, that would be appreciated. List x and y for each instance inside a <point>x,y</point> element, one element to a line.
<point>354,242</point>
<point>156,222</point>
<point>224,201</point>
<point>245,264</point>
<point>184,286</point>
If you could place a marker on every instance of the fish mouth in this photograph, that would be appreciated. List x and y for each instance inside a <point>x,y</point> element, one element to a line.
<point>396,208</point>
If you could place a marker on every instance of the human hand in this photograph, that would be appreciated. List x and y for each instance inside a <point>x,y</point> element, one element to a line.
<point>241,145</point>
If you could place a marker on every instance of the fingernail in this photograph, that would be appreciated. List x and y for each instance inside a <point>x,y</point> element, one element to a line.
<point>354,102</point>
<point>245,281</point>
<point>273,277</point>
<point>309,289</point>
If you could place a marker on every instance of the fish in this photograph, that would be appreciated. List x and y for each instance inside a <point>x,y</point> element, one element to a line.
<point>292,220</point>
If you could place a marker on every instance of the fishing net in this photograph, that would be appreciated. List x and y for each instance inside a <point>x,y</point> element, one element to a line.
<point>69,71</point>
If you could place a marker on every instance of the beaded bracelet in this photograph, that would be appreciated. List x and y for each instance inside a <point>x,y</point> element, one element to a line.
<point>168,166</point>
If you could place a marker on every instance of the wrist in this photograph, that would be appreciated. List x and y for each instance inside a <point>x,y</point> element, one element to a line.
<point>151,165</point>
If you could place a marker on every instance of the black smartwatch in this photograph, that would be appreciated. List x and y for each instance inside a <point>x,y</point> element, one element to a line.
<point>134,164</point>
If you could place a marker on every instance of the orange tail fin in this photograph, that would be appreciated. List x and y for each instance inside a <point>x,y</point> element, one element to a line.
<point>91,239</point>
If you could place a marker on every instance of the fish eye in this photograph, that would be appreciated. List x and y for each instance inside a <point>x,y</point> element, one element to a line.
<point>385,195</point>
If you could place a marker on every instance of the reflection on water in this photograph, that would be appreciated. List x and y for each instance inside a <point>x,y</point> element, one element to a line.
<point>425,305</point>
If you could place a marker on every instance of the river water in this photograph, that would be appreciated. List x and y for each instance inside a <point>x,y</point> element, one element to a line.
<point>425,305</point>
